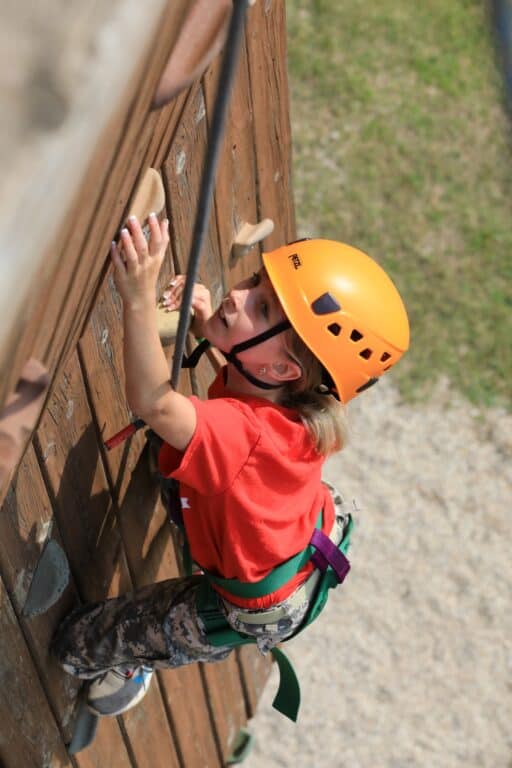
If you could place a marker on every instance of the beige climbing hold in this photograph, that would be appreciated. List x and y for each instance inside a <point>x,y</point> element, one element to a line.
<point>201,37</point>
<point>20,414</point>
<point>249,235</point>
<point>149,196</point>
<point>167,325</point>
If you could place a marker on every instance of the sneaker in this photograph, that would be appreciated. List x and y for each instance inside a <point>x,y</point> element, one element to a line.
<point>117,691</point>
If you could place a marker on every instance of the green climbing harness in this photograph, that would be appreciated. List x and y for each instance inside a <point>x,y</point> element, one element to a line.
<point>331,563</point>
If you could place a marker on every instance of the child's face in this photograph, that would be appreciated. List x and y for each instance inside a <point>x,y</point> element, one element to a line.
<point>250,308</point>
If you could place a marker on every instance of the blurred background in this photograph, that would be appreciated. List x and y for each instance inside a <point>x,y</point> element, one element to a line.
<point>402,147</point>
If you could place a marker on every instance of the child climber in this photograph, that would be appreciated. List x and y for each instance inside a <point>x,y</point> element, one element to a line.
<point>318,324</point>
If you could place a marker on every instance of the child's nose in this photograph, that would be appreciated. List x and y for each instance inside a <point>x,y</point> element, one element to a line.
<point>237,297</point>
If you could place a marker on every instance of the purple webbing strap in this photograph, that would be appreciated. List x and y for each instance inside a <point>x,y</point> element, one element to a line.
<point>327,553</point>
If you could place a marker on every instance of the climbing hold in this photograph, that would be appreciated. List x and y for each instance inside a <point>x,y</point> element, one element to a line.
<point>49,581</point>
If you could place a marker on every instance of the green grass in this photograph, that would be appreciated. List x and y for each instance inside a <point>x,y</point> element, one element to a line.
<point>402,147</point>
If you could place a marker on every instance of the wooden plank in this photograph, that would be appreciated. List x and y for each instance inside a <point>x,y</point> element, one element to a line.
<point>266,47</point>
<point>70,459</point>
<point>235,188</point>
<point>182,172</point>
<point>145,529</point>
<point>147,732</point>
<point>76,279</point>
<point>56,109</point>
<point>25,523</point>
<point>119,183</point>
<point>226,697</point>
<point>52,293</point>
<point>95,227</point>
<point>23,704</point>
<point>254,670</point>
<point>108,748</point>
<point>168,118</point>
<point>80,248</point>
<point>101,355</point>
<point>185,698</point>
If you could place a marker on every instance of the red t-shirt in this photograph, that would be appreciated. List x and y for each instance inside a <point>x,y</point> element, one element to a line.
<point>250,488</point>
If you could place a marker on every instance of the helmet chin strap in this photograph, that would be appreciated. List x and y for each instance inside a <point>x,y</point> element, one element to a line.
<point>231,356</point>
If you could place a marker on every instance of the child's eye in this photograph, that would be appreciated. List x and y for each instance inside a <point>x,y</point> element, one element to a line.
<point>263,305</point>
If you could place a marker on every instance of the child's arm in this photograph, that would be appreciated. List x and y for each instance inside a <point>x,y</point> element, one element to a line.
<point>148,390</point>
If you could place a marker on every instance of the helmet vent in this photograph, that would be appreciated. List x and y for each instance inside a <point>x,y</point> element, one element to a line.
<point>334,328</point>
<point>356,335</point>
<point>366,353</point>
<point>325,304</point>
<point>385,356</point>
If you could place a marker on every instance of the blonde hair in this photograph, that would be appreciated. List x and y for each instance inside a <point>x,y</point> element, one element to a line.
<point>323,416</point>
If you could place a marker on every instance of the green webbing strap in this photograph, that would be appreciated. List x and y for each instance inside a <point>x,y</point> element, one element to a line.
<point>218,631</point>
<point>287,698</point>
<point>273,581</point>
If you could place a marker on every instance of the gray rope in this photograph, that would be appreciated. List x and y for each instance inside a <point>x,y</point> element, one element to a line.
<point>204,205</point>
<point>502,22</point>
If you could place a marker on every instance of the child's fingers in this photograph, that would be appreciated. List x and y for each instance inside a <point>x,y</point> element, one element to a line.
<point>131,256</point>
<point>172,296</point>
<point>164,231</point>
<point>173,288</point>
<point>155,235</point>
<point>175,281</point>
<point>138,238</point>
<point>159,236</point>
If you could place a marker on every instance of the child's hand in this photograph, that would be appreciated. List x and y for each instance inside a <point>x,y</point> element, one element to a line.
<point>201,301</point>
<point>137,261</point>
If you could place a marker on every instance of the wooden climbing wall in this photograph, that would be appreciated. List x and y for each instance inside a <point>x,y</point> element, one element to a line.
<point>103,507</point>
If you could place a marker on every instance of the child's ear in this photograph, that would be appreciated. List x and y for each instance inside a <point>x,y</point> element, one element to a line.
<point>287,371</point>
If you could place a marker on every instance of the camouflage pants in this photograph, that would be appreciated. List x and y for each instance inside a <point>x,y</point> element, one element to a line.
<point>159,626</point>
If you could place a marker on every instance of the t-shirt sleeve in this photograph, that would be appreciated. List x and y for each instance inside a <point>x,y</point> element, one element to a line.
<point>226,433</point>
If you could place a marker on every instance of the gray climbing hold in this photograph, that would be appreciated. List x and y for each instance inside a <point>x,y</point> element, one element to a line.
<point>50,579</point>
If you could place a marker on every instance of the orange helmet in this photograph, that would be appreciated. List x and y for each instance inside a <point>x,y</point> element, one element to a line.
<point>344,307</point>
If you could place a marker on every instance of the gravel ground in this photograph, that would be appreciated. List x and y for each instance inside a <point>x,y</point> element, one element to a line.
<point>410,663</point>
